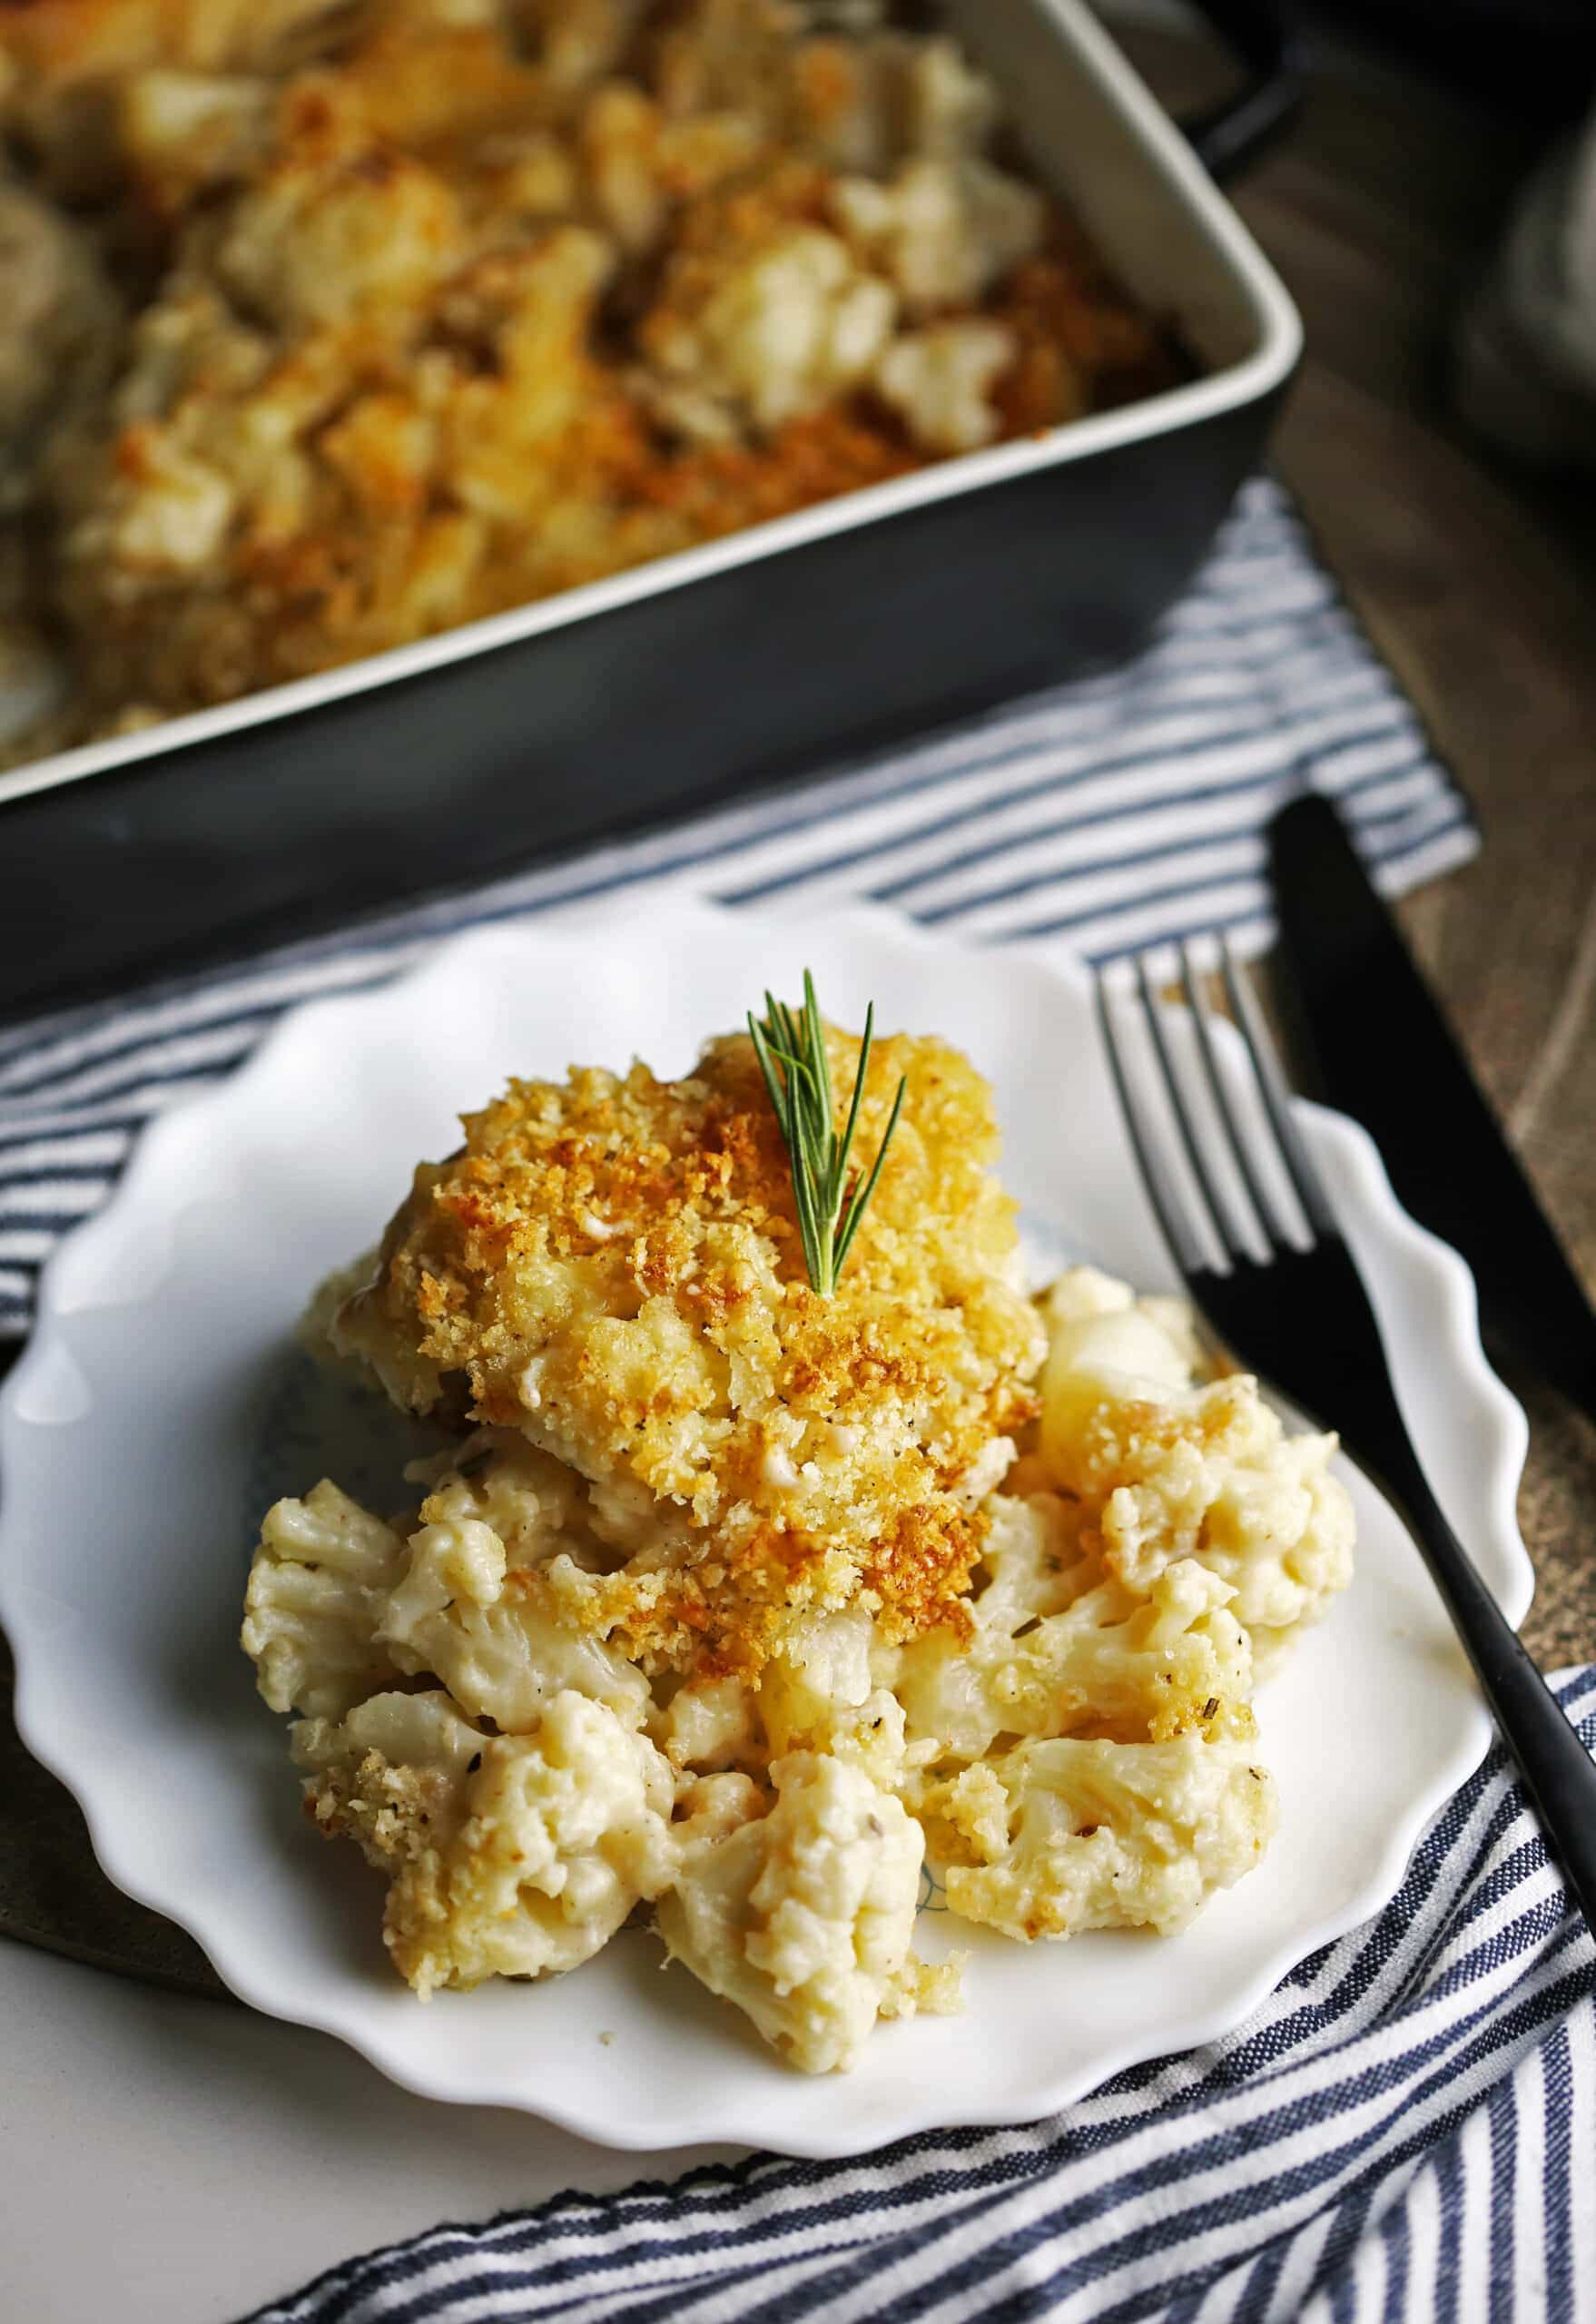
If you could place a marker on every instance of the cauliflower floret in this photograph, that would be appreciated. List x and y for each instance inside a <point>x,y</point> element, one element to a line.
<point>181,132</point>
<point>711,1807</point>
<point>1078,1293</point>
<point>198,437</point>
<point>950,106</point>
<point>535,1505</point>
<point>1216,1477</point>
<point>822,1671</point>
<point>508,1855</point>
<point>1101,1349</point>
<point>804,1918</point>
<point>528,312</point>
<point>366,239</point>
<point>1166,1470</point>
<point>942,233</point>
<point>392,1775</point>
<point>473,1600</point>
<point>60,67</point>
<point>1095,1835</point>
<point>176,511</point>
<point>492,1635</point>
<point>1032,1561</point>
<point>1178,1323</point>
<point>316,1592</point>
<point>1135,1669</point>
<point>1281,1532</point>
<point>709,1726</point>
<point>867,105</point>
<point>637,165</point>
<point>774,326</point>
<point>816,1695</point>
<point>940,381</point>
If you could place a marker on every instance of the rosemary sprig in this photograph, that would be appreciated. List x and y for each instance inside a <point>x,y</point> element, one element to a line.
<point>791,1053</point>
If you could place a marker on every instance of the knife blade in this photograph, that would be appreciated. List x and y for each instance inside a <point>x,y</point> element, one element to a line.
<point>1385,1053</point>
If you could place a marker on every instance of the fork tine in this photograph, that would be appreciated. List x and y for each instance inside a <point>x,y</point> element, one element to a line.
<point>1171,1212</point>
<point>1270,1218</point>
<point>1304,1177</point>
<point>1218,1212</point>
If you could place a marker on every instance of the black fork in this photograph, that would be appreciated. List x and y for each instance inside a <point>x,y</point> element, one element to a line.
<point>1300,1317</point>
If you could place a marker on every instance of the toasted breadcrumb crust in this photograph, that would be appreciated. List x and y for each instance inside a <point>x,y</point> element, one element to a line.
<point>612,1267</point>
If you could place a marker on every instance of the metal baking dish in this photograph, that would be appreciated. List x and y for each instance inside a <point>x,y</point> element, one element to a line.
<point>752,661</point>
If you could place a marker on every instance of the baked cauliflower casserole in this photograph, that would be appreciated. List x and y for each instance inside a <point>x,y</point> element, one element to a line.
<point>329,324</point>
<point>734,1607</point>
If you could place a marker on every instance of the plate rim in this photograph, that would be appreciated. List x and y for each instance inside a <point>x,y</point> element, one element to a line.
<point>674,906</point>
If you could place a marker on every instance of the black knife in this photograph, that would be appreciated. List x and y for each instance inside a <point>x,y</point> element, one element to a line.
<point>1384,1054</point>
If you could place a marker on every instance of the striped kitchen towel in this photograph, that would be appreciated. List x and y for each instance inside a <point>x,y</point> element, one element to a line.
<point>1405,2132</point>
<point>1093,818</point>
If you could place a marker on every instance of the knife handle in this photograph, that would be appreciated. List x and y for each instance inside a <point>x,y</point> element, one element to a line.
<point>1380,1050</point>
<point>1558,1772</point>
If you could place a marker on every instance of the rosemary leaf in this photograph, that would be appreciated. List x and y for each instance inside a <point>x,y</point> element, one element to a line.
<point>791,1052</point>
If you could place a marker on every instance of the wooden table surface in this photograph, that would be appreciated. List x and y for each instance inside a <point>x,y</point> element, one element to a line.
<point>1478,586</point>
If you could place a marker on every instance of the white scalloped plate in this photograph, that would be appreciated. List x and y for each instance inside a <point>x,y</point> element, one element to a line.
<point>155,1412</point>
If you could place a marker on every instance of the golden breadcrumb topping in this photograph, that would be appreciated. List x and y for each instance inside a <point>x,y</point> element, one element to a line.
<point>612,1267</point>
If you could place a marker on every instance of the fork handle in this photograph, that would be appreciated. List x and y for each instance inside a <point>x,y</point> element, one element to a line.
<point>1558,1773</point>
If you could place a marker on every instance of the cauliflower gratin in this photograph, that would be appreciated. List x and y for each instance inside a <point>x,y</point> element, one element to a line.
<point>327,327</point>
<point>733,1608</point>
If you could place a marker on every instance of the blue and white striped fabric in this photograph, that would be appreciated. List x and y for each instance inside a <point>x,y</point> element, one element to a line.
<point>1406,2132</point>
<point>1095,818</point>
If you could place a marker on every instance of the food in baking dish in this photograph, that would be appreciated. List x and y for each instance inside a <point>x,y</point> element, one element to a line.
<point>741,1607</point>
<point>326,327</point>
